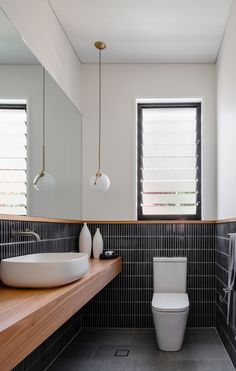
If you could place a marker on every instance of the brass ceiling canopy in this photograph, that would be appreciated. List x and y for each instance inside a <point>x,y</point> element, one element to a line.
<point>100,45</point>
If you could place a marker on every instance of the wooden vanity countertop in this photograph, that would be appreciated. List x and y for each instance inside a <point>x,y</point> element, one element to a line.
<point>30,316</point>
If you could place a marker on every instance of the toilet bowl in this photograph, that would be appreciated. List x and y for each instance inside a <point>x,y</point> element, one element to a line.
<point>170,303</point>
<point>170,314</point>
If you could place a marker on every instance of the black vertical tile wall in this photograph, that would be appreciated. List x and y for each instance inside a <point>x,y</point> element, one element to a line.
<point>54,237</point>
<point>48,351</point>
<point>222,245</point>
<point>126,301</point>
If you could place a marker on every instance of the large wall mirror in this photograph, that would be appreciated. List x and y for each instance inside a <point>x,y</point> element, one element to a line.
<point>21,135</point>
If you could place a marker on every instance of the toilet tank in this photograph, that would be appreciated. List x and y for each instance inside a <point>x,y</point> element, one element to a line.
<point>170,274</point>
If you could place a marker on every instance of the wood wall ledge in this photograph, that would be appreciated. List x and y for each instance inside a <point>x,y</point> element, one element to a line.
<point>23,218</point>
<point>149,221</point>
<point>28,317</point>
<point>228,220</point>
<point>40,219</point>
<point>9,217</point>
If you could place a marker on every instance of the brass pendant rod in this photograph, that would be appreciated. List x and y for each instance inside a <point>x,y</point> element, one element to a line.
<point>100,110</point>
<point>100,45</point>
<point>43,149</point>
<point>42,172</point>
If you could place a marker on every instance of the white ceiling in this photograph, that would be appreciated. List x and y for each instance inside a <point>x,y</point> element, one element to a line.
<point>145,31</point>
<point>13,50</point>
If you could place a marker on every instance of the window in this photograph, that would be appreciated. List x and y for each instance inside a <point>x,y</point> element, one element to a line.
<point>13,156</point>
<point>169,161</point>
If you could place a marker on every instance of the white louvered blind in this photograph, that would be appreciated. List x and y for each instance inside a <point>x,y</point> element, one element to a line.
<point>13,157</point>
<point>169,155</point>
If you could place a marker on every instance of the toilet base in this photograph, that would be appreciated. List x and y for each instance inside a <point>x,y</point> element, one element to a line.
<point>170,328</point>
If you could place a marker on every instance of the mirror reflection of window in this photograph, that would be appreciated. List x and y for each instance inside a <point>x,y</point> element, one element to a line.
<point>13,157</point>
<point>21,83</point>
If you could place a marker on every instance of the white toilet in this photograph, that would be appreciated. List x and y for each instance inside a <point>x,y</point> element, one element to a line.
<point>170,304</point>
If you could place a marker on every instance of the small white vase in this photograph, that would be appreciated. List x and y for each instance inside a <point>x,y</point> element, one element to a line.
<point>97,244</point>
<point>85,240</point>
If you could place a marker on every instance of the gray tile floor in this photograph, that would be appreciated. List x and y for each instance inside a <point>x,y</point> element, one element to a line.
<point>94,350</point>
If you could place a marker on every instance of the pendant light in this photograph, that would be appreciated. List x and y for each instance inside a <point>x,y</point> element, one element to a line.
<point>100,181</point>
<point>44,182</point>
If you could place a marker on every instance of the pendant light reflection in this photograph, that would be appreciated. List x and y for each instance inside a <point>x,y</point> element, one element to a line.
<point>44,182</point>
<point>100,181</point>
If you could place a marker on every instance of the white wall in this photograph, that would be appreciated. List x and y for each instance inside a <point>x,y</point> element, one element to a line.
<point>41,30</point>
<point>122,84</point>
<point>226,115</point>
<point>63,140</point>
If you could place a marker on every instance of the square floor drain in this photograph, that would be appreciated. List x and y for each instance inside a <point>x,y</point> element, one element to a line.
<point>122,353</point>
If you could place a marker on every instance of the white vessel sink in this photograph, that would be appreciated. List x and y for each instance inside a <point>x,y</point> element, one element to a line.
<point>43,270</point>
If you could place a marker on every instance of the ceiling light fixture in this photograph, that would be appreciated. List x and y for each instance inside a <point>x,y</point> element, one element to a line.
<point>100,181</point>
<point>44,182</point>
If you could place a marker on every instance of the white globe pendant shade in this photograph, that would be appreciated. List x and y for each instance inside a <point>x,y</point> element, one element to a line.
<point>100,183</point>
<point>44,182</point>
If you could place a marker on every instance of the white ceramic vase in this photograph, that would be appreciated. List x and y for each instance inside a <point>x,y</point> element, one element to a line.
<point>85,240</point>
<point>97,244</point>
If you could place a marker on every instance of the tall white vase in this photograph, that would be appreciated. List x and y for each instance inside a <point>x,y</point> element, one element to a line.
<point>85,240</point>
<point>97,244</point>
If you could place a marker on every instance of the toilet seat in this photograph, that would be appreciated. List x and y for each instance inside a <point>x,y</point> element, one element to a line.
<point>170,302</point>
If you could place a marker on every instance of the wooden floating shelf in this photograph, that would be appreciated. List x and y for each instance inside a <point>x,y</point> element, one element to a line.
<point>30,316</point>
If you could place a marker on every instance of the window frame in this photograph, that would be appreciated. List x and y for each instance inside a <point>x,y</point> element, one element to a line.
<point>140,107</point>
<point>19,106</point>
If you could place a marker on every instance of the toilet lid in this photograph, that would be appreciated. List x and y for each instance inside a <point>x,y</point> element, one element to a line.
<point>170,302</point>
